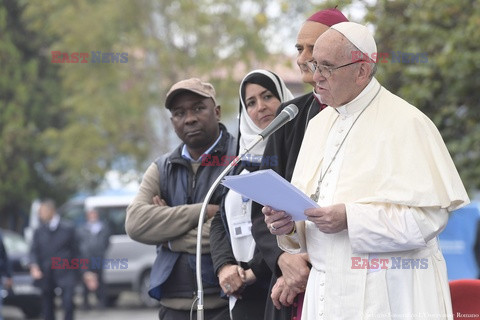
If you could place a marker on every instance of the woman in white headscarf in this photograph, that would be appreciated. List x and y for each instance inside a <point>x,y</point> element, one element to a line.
<point>238,264</point>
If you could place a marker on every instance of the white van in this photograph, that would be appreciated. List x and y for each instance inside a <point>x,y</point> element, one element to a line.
<point>139,257</point>
<point>136,259</point>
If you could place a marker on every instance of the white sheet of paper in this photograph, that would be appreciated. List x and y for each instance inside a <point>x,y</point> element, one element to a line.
<point>269,189</point>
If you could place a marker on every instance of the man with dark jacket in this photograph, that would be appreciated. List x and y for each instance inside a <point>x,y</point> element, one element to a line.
<point>166,210</point>
<point>5,271</point>
<point>54,260</point>
<point>290,271</point>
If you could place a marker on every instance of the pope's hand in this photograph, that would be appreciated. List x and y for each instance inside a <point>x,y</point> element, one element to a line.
<point>279,222</point>
<point>330,219</point>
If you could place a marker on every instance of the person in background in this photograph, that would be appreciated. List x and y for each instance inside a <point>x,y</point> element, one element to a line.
<point>385,184</point>
<point>476,247</point>
<point>94,239</point>
<point>166,210</point>
<point>241,270</point>
<point>291,270</point>
<point>54,240</point>
<point>5,272</point>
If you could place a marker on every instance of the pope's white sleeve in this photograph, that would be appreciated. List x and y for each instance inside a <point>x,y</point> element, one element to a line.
<point>389,228</point>
<point>294,243</point>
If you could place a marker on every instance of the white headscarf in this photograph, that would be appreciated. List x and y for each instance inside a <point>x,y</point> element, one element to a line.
<point>248,130</point>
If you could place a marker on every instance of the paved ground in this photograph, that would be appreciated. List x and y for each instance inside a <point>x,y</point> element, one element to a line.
<point>128,308</point>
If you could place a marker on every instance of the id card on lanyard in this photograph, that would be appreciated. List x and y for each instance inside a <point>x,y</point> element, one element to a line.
<point>242,223</point>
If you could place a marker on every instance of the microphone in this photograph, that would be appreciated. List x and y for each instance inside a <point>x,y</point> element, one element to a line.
<point>287,114</point>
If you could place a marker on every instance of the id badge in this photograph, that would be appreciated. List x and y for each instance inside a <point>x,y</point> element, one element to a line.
<point>242,223</point>
<point>242,229</point>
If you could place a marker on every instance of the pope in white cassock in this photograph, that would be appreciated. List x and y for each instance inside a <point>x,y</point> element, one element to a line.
<point>385,183</point>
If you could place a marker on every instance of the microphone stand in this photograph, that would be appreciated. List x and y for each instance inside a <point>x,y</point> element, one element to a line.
<point>200,310</point>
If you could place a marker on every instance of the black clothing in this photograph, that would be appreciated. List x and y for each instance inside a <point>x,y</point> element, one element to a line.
<point>60,244</point>
<point>208,314</point>
<point>179,185</point>
<point>48,300</point>
<point>252,304</point>
<point>284,144</point>
<point>5,266</point>
<point>477,246</point>
<point>251,309</point>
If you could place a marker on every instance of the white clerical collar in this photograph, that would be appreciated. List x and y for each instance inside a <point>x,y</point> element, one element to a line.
<point>53,224</point>
<point>362,100</point>
<point>186,154</point>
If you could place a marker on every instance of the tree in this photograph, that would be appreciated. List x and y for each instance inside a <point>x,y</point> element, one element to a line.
<point>108,106</point>
<point>104,100</point>
<point>444,81</point>
<point>27,108</point>
<point>64,125</point>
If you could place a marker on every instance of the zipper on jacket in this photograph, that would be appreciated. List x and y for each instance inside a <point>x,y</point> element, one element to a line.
<point>194,181</point>
<point>192,184</point>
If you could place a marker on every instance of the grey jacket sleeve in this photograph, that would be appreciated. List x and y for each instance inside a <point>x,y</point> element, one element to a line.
<point>152,224</point>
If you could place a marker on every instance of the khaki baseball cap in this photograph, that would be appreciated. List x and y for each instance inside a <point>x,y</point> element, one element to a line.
<point>194,85</point>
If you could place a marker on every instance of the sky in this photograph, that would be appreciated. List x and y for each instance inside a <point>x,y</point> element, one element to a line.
<point>284,39</point>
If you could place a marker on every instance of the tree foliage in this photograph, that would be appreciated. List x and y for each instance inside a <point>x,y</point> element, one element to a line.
<point>64,125</point>
<point>28,96</point>
<point>446,86</point>
<point>103,103</point>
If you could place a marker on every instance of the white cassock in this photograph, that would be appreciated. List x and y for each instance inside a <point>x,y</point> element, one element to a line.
<point>399,183</point>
